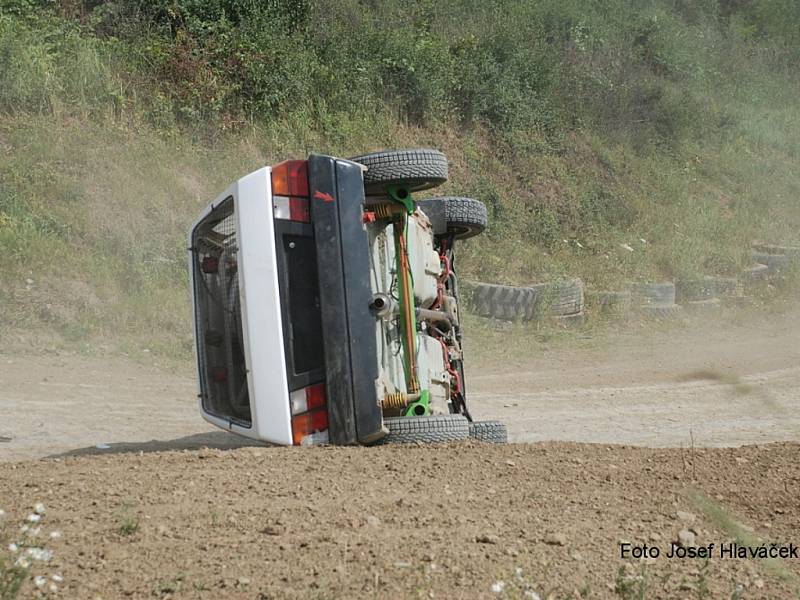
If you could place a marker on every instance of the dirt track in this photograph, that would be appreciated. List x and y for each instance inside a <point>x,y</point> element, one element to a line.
<point>154,514</point>
<point>711,386</point>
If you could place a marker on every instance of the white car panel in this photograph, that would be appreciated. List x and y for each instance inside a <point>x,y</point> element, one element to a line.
<point>261,312</point>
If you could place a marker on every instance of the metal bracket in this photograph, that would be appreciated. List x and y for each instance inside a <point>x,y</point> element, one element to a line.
<point>403,196</point>
<point>421,407</point>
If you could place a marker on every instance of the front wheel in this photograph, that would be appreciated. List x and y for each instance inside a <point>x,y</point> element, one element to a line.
<point>464,217</point>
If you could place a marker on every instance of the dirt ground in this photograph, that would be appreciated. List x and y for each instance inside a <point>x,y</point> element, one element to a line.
<point>546,520</point>
<point>168,507</point>
<point>712,386</point>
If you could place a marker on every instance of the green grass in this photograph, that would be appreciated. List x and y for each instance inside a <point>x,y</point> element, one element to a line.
<point>732,526</point>
<point>672,131</point>
<point>128,524</point>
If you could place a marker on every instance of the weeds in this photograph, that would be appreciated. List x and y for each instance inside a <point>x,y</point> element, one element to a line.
<point>22,557</point>
<point>631,587</point>
<point>128,525</point>
<point>727,523</point>
<point>614,144</point>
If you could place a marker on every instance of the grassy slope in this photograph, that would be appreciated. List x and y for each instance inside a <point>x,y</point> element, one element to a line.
<point>95,202</point>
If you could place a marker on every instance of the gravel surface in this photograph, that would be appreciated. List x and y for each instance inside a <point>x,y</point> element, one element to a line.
<point>423,521</point>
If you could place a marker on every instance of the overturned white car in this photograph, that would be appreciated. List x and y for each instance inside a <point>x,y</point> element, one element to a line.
<point>326,303</point>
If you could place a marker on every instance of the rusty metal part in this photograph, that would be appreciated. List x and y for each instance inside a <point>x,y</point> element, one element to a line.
<point>388,211</point>
<point>436,317</point>
<point>399,400</point>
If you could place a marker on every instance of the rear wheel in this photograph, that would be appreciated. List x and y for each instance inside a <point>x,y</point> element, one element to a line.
<point>493,432</point>
<point>465,217</point>
<point>416,170</point>
<point>434,429</point>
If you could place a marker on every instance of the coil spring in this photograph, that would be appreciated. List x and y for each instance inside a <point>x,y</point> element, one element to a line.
<point>387,211</point>
<point>396,400</point>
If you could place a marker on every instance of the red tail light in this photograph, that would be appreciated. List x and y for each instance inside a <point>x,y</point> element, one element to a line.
<point>298,210</point>
<point>290,178</point>
<point>310,420</point>
<point>290,191</point>
<point>315,396</point>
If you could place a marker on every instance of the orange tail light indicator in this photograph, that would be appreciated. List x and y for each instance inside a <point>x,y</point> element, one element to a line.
<point>290,178</point>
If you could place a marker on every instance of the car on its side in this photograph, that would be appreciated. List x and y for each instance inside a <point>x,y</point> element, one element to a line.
<point>326,305</point>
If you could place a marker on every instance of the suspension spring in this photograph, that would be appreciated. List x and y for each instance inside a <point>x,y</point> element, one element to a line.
<point>388,211</point>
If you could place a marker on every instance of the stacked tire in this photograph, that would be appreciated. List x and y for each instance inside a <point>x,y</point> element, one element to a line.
<point>771,261</point>
<point>504,302</point>
<point>655,300</point>
<point>609,302</point>
<point>564,302</point>
<point>561,300</point>
<point>697,294</point>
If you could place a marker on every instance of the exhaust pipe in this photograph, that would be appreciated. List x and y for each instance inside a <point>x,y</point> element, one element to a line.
<point>383,306</point>
<point>435,317</point>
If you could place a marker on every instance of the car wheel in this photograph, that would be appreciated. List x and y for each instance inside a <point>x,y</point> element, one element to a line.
<point>464,217</point>
<point>416,170</point>
<point>434,429</point>
<point>493,432</point>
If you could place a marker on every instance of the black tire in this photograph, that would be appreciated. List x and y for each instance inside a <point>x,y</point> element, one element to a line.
<point>417,170</point>
<point>662,313</point>
<point>724,287</point>
<point>694,290</point>
<point>791,251</point>
<point>756,272</point>
<point>493,432</point>
<point>610,302</point>
<point>775,262</point>
<point>513,303</point>
<point>505,302</point>
<point>654,294</point>
<point>435,429</point>
<point>566,297</point>
<point>556,298</point>
<point>465,217</point>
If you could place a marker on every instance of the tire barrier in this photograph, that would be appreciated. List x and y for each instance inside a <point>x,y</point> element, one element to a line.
<point>653,294</point>
<point>725,287</point>
<point>776,263</point>
<point>755,273</point>
<point>513,303</point>
<point>694,290</point>
<point>793,252</point>
<point>565,302</point>
<point>609,302</point>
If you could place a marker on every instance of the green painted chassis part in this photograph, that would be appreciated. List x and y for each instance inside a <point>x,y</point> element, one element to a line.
<point>424,402</point>
<point>402,196</point>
